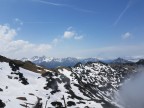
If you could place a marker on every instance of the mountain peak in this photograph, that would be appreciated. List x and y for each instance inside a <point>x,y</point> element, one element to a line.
<point>121,61</point>
<point>141,61</point>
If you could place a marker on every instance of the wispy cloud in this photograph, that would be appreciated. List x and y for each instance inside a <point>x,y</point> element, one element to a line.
<point>49,3</point>
<point>112,51</point>
<point>18,21</point>
<point>126,35</point>
<point>65,5</point>
<point>38,22</point>
<point>122,13</point>
<point>56,41</point>
<point>78,37</point>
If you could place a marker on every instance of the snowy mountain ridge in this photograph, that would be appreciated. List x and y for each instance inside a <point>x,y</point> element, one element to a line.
<point>51,62</point>
<point>85,85</point>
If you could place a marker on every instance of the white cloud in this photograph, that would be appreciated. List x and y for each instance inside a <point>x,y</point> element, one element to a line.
<point>126,35</point>
<point>71,34</point>
<point>68,34</point>
<point>6,34</point>
<point>19,48</point>
<point>78,37</point>
<point>25,46</point>
<point>14,48</point>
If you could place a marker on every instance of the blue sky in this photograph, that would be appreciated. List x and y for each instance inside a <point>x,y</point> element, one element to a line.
<point>76,28</point>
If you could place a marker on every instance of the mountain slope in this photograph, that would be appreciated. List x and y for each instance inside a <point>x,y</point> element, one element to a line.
<point>22,86</point>
<point>92,85</point>
<point>120,61</point>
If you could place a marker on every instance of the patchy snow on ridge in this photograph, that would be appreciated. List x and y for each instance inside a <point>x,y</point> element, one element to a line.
<point>85,85</point>
<point>13,88</point>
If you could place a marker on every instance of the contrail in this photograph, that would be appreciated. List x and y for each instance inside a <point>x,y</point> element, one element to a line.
<point>84,10</point>
<point>122,13</point>
<point>38,22</point>
<point>50,3</point>
<point>64,5</point>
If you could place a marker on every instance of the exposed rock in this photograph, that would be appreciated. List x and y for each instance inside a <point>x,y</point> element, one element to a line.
<point>22,98</point>
<point>71,103</point>
<point>2,104</point>
<point>57,104</point>
<point>1,89</point>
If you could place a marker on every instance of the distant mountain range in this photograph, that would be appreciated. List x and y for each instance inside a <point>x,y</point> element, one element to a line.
<point>51,62</point>
<point>56,62</point>
<point>120,61</point>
